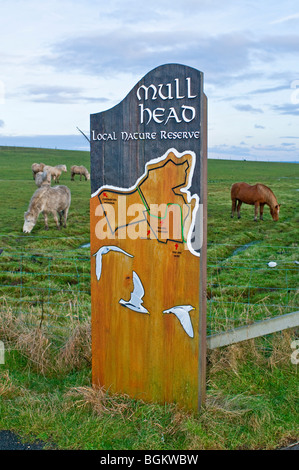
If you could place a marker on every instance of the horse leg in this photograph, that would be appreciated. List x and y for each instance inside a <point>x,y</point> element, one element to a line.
<point>256,209</point>
<point>56,219</point>
<point>233,207</point>
<point>65,213</point>
<point>239,208</point>
<point>46,220</point>
<point>261,211</point>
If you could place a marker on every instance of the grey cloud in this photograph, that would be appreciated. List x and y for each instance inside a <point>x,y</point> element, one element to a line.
<point>133,12</point>
<point>228,78</point>
<point>287,43</point>
<point>233,98</point>
<point>123,50</point>
<point>57,94</point>
<point>269,90</point>
<point>293,17</point>
<point>258,126</point>
<point>274,148</point>
<point>248,108</point>
<point>127,50</point>
<point>287,109</point>
<point>257,76</point>
<point>289,137</point>
<point>240,150</point>
<point>255,152</point>
<point>68,142</point>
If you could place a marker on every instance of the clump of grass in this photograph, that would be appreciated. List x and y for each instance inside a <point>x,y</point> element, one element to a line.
<point>29,340</point>
<point>34,344</point>
<point>280,345</point>
<point>101,402</point>
<point>7,387</point>
<point>10,324</point>
<point>76,352</point>
<point>232,357</point>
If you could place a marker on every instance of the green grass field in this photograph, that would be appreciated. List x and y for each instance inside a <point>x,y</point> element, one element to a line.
<point>46,268</point>
<point>45,317</point>
<point>239,250</point>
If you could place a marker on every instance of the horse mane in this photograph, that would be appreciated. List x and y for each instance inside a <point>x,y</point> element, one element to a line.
<point>36,200</point>
<point>268,193</point>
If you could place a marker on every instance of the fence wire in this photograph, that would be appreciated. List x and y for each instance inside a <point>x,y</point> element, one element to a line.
<point>54,288</point>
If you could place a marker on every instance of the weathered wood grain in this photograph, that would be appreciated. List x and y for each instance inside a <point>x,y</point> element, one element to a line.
<point>149,355</point>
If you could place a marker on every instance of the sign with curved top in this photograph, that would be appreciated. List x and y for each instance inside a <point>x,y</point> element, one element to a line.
<point>148,239</point>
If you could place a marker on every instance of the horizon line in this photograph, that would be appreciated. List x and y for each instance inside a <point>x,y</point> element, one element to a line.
<point>84,149</point>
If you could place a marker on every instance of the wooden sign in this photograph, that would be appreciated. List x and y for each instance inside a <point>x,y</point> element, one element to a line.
<point>148,240</point>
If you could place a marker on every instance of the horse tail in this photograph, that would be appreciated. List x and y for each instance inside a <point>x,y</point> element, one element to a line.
<point>234,190</point>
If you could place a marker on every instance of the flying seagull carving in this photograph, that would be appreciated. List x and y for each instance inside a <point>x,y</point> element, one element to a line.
<point>103,251</point>
<point>135,302</point>
<point>182,313</point>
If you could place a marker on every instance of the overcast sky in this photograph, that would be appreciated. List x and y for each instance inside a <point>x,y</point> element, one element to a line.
<point>62,60</point>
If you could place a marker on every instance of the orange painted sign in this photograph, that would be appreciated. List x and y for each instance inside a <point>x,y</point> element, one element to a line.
<point>147,274</point>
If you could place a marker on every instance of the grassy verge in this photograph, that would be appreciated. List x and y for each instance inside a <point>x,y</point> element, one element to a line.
<point>45,394</point>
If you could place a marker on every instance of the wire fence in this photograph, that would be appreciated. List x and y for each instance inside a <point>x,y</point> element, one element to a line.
<point>241,289</point>
<point>52,288</point>
<point>249,283</point>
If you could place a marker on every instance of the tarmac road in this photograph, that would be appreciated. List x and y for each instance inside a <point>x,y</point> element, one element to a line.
<point>11,441</point>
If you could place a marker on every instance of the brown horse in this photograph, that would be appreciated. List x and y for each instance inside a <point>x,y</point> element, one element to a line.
<point>257,195</point>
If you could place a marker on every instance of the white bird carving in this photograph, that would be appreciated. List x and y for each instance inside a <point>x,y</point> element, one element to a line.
<point>182,313</point>
<point>103,251</point>
<point>135,302</point>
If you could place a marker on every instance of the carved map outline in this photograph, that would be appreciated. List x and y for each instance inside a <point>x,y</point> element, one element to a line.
<point>136,190</point>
